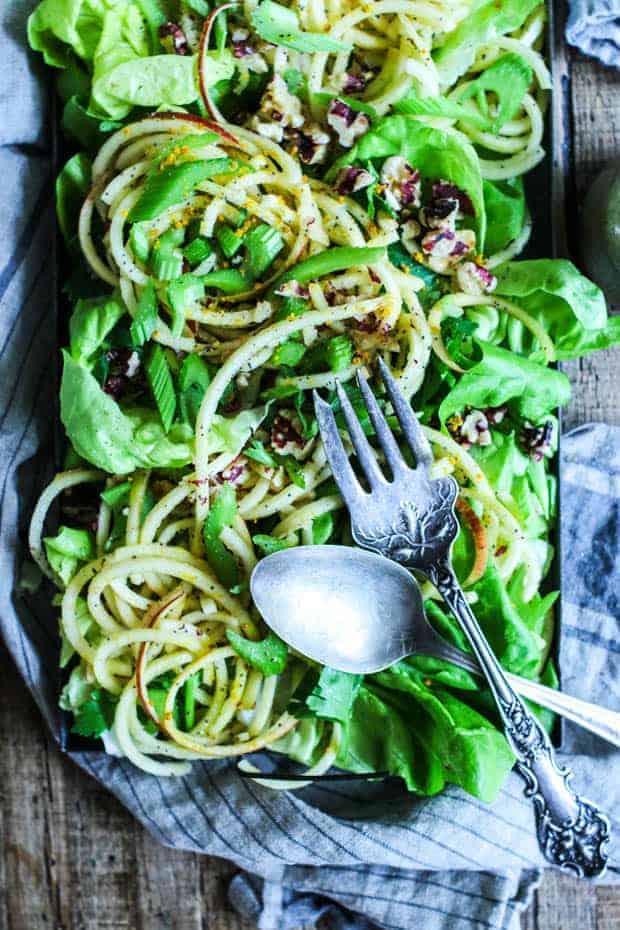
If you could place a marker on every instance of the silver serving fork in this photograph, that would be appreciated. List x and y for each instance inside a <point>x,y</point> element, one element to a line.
<point>410,518</point>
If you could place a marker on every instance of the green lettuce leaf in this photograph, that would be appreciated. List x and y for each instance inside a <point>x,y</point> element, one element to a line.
<point>90,323</point>
<point>119,441</point>
<point>504,202</point>
<point>571,308</point>
<point>72,186</point>
<point>333,695</point>
<point>116,441</point>
<point>487,21</point>
<point>426,735</point>
<point>435,153</point>
<point>67,550</point>
<point>58,28</point>
<point>502,377</point>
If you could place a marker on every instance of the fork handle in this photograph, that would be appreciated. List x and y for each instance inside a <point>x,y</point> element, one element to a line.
<point>573,834</point>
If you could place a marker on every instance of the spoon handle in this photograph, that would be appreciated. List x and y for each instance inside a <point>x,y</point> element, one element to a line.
<point>572,832</point>
<point>600,720</point>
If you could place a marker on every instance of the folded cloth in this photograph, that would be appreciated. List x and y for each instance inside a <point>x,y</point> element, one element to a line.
<point>594,27</point>
<point>446,862</point>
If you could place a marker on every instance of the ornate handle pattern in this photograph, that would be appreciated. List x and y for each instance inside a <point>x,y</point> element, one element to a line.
<point>572,832</point>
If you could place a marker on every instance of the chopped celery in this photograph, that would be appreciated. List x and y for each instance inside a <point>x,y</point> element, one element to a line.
<point>262,245</point>
<point>339,352</point>
<point>174,184</point>
<point>145,321</point>
<point>227,280</point>
<point>183,293</point>
<point>197,250</point>
<point>139,242</point>
<point>228,240</point>
<point>160,381</point>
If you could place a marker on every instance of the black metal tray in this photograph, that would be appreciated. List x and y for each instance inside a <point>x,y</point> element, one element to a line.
<point>343,793</point>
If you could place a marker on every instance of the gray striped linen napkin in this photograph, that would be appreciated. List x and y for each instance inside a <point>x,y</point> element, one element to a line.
<point>594,27</point>
<point>447,862</point>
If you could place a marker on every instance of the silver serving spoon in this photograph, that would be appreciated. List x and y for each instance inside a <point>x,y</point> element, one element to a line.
<point>360,612</point>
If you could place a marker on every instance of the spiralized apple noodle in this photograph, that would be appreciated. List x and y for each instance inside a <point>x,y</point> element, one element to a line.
<point>156,605</point>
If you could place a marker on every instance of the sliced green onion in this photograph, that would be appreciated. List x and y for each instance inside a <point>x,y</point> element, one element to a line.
<point>160,380</point>
<point>197,250</point>
<point>339,258</point>
<point>339,352</point>
<point>183,294</point>
<point>144,322</point>
<point>174,184</point>
<point>262,244</point>
<point>279,25</point>
<point>227,280</point>
<point>228,240</point>
<point>139,242</point>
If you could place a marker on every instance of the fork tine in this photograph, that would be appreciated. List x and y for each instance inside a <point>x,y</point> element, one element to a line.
<point>385,435</point>
<point>362,447</point>
<point>338,459</point>
<point>406,417</point>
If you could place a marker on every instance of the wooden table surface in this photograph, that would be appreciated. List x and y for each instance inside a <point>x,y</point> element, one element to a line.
<point>73,859</point>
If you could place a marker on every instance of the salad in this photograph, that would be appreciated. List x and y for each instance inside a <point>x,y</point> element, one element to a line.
<point>263,199</point>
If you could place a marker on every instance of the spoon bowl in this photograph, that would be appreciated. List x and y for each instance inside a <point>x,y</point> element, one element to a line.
<point>350,609</point>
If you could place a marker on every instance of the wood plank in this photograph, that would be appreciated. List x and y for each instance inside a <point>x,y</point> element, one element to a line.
<point>564,903</point>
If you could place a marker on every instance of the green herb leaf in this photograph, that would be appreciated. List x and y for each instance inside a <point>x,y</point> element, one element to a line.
<point>278,24</point>
<point>269,655</point>
<point>96,715</point>
<point>322,529</point>
<point>288,354</point>
<point>270,544</point>
<point>256,450</point>
<point>222,513</point>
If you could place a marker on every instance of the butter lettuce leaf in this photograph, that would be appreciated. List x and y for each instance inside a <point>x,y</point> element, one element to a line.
<point>570,306</point>
<point>121,440</point>
<point>501,377</point>
<point>61,28</point>
<point>504,202</point>
<point>90,323</point>
<point>435,153</point>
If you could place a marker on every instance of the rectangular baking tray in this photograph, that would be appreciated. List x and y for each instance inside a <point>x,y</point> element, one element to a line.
<point>546,195</point>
